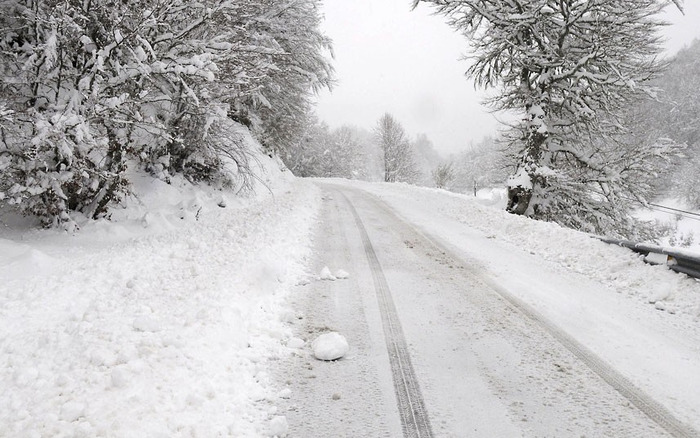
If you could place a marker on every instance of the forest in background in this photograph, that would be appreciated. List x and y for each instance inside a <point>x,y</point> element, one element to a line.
<point>672,115</point>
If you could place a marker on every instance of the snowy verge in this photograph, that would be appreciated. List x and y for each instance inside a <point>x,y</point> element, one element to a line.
<point>618,268</point>
<point>159,323</point>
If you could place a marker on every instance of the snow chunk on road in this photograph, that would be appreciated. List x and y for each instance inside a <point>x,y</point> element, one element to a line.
<point>278,426</point>
<point>342,274</point>
<point>326,274</point>
<point>295,343</point>
<point>330,346</point>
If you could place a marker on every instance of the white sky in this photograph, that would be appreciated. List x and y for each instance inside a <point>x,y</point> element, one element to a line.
<point>391,59</point>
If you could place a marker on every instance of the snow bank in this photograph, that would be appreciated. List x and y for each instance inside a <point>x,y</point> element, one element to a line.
<point>159,323</point>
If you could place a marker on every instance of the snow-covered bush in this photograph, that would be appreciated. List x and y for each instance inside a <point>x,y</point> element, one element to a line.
<point>91,88</point>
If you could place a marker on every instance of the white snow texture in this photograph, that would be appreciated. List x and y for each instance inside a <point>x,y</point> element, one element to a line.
<point>330,346</point>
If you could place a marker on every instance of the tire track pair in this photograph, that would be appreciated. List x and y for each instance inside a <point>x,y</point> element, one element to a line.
<point>412,412</point>
<point>638,398</point>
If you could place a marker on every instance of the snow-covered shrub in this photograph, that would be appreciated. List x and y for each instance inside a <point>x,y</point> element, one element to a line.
<point>88,89</point>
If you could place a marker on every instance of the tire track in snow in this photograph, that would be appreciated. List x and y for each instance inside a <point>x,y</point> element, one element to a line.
<point>414,416</point>
<point>638,398</point>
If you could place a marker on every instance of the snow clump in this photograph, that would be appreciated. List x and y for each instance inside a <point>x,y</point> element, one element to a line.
<point>330,346</point>
<point>326,274</point>
<point>295,343</point>
<point>278,426</point>
<point>342,274</point>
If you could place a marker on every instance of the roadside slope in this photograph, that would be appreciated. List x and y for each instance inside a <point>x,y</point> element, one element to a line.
<point>159,324</point>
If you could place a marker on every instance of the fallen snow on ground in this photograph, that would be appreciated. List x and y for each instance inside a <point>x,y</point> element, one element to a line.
<point>683,229</point>
<point>639,319</point>
<point>159,323</point>
<point>619,268</point>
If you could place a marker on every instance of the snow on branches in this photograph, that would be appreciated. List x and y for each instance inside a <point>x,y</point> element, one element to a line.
<point>570,68</point>
<point>89,89</point>
<point>397,153</point>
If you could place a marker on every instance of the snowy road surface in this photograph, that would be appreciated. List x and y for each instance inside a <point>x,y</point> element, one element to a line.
<point>444,343</point>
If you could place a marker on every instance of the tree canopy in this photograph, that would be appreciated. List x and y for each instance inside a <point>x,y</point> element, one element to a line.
<point>570,68</point>
<point>89,89</point>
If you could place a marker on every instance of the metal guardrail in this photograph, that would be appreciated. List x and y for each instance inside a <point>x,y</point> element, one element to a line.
<point>676,260</point>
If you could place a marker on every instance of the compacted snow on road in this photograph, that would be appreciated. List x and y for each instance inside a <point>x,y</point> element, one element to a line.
<point>465,321</point>
<point>212,315</point>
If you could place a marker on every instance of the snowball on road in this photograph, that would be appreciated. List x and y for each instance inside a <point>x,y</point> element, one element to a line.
<point>278,427</point>
<point>326,274</point>
<point>342,274</point>
<point>330,346</point>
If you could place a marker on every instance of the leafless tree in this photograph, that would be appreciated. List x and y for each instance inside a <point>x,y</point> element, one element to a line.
<point>570,68</point>
<point>399,164</point>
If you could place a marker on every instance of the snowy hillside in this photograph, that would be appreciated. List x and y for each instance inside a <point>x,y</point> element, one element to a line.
<point>158,323</point>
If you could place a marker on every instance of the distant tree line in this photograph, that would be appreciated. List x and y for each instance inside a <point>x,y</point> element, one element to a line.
<point>386,153</point>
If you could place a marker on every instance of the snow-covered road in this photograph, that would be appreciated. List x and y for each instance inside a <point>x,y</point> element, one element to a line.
<point>498,343</point>
<point>185,315</point>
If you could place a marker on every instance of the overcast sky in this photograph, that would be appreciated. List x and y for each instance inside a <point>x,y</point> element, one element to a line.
<point>391,59</point>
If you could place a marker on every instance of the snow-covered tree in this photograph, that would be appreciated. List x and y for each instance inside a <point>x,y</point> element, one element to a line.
<point>426,158</point>
<point>88,89</point>
<point>297,66</point>
<point>322,152</point>
<point>570,68</point>
<point>443,175</point>
<point>483,164</point>
<point>674,115</point>
<point>397,153</point>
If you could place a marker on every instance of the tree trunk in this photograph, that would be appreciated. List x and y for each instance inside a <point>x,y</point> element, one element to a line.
<point>526,179</point>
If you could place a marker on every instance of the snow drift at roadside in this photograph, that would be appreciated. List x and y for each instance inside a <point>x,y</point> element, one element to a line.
<point>159,323</point>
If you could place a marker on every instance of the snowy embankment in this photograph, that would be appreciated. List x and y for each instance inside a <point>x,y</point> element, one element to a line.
<point>159,323</point>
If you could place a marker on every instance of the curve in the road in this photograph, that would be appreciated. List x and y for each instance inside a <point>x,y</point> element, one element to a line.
<point>414,416</point>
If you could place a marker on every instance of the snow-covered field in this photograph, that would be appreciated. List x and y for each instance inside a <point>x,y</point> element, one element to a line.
<point>683,226</point>
<point>166,321</point>
<point>160,323</point>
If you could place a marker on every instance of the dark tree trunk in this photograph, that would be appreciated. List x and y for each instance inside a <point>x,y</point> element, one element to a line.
<point>519,197</point>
